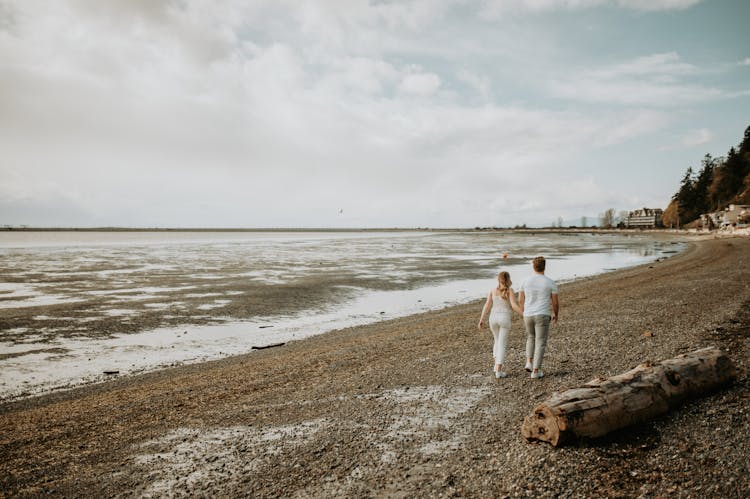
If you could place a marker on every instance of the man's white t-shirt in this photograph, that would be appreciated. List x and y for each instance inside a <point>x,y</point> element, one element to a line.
<point>537,290</point>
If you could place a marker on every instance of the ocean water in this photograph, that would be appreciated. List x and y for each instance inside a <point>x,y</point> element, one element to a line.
<point>76,304</point>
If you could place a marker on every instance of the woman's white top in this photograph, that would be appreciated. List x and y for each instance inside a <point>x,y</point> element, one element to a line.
<point>499,305</point>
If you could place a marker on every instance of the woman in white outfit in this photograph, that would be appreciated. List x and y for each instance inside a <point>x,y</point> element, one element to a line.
<point>502,300</point>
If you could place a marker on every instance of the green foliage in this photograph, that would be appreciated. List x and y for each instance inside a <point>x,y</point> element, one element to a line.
<point>720,182</point>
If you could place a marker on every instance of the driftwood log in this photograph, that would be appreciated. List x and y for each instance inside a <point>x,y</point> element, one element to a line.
<point>263,347</point>
<point>606,404</point>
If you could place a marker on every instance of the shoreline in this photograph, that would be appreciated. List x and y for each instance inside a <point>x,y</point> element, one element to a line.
<point>522,230</point>
<point>124,321</point>
<point>101,376</point>
<point>408,406</point>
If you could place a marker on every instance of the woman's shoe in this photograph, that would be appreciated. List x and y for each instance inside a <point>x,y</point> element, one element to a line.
<point>537,374</point>
<point>528,366</point>
<point>500,374</point>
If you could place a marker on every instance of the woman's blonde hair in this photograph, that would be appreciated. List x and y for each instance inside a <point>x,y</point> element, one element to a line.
<point>503,284</point>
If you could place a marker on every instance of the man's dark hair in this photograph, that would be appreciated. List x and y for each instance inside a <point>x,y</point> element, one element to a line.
<point>539,263</point>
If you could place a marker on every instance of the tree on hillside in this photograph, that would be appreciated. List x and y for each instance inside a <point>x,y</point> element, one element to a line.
<point>730,183</point>
<point>720,182</point>
<point>685,197</point>
<point>694,196</point>
<point>703,183</point>
<point>744,150</point>
<point>745,144</point>
<point>728,179</point>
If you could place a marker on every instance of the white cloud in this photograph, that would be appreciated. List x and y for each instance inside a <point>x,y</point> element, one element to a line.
<point>481,84</point>
<point>634,93</point>
<point>656,5</point>
<point>697,137</point>
<point>692,138</point>
<point>745,62</point>
<point>272,113</point>
<point>653,80</point>
<point>356,75</point>
<point>418,82</point>
<point>540,5</point>
<point>630,125</point>
<point>498,7</point>
<point>664,66</point>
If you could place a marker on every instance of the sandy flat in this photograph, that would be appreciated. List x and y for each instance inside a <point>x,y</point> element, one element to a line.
<point>410,407</point>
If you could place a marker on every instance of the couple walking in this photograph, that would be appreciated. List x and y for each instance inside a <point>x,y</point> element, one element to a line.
<point>538,304</point>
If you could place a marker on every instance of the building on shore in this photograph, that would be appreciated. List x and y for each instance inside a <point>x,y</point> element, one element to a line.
<point>644,218</point>
<point>736,214</point>
<point>711,221</point>
<point>732,216</point>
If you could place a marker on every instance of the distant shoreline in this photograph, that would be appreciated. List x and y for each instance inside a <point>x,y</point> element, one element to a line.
<point>550,230</point>
<point>210,229</point>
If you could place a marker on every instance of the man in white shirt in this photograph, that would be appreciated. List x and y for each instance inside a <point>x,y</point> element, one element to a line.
<point>538,301</point>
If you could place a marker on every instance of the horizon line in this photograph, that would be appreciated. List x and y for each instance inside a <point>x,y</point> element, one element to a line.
<point>21,228</point>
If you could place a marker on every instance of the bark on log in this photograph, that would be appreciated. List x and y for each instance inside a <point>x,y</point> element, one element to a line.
<point>606,404</point>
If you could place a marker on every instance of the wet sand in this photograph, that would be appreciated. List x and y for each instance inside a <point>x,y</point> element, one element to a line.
<point>410,407</point>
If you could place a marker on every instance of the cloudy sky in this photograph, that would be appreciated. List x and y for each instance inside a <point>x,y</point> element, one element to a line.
<point>355,113</point>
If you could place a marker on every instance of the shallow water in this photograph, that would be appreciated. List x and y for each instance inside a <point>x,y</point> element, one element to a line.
<point>76,304</point>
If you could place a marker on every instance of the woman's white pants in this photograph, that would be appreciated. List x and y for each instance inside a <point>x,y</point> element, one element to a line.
<point>500,327</point>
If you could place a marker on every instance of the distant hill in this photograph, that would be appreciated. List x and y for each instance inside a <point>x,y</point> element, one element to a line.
<point>720,182</point>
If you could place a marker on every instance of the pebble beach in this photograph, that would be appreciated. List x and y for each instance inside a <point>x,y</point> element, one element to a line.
<point>409,407</point>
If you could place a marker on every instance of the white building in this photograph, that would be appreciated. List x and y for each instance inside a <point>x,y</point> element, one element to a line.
<point>644,218</point>
<point>735,214</point>
<point>712,220</point>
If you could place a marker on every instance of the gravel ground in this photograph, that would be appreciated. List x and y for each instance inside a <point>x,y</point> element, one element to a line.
<point>410,407</point>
